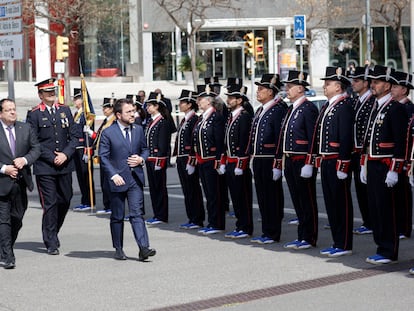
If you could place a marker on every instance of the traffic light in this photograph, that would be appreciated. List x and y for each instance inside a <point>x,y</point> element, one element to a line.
<point>62,47</point>
<point>259,49</point>
<point>249,44</point>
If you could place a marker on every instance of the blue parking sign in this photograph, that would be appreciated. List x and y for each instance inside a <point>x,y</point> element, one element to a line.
<point>299,28</point>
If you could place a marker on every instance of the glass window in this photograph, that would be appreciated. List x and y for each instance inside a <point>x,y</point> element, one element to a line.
<point>162,58</point>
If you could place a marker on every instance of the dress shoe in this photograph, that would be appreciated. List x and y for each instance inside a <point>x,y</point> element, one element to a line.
<point>9,265</point>
<point>119,254</point>
<point>146,252</point>
<point>53,251</point>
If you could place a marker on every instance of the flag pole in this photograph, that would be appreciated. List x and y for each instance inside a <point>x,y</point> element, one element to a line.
<point>86,114</point>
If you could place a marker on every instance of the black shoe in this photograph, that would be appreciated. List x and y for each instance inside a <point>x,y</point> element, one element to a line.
<point>9,265</point>
<point>146,252</point>
<point>119,254</point>
<point>53,251</point>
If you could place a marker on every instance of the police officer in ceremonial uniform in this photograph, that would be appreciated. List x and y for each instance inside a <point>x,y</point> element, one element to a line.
<point>208,145</point>
<point>363,104</point>
<point>80,157</point>
<point>158,135</point>
<point>186,168</point>
<point>400,90</point>
<point>263,140</point>
<point>238,173</point>
<point>295,142</point>
<point>384,148</point>
<point>332,141</point>
<point>58,138</point>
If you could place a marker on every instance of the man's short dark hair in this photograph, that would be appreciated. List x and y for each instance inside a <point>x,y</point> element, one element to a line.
<point>120,103</point>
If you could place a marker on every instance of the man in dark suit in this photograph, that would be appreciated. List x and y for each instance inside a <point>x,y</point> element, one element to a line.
<point>19,148</point>
<point>58,138</point>
<point>123,151</point>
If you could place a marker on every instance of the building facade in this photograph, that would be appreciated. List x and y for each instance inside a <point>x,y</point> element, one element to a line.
<point>147,45</point>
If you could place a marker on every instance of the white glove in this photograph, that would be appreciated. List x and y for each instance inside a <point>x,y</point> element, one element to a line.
<point>306,171</point>
<point>190,169</point>
<point>411,180</point>
<point>157,168</point>
<point>238,171</point>
<point>363,175</point>
<point>87,129</point>
<point>341,175</point>
<point>85,158</point>
<point>222,169</point>
<point>392,178</point>
<point>277,173</point>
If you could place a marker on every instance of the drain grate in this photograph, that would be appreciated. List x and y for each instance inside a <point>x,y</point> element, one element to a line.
<point>238,298</point>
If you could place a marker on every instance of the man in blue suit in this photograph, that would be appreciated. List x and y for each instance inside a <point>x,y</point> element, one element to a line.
<point>123,151</point>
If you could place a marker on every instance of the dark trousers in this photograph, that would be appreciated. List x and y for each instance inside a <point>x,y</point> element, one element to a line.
<point>303,194</point>
<point>55,192</point>
<point>135,198</point>
<point>404,198</point>
<point>212,191</point>
<point>383,210</point>
<point>157,181</point>
<point>269,197</point>
<point>240,188</point>
<point>361,190</point>
<point>12,209</point>
<point>338,203</point>
<point>193,196</point>
<point>105,189</point>
<point>82,175</point>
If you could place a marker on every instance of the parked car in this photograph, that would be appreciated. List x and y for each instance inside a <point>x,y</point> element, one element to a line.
<point>318,100</point>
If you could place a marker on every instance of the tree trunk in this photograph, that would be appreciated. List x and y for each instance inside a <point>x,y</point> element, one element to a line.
<point>193,57</point>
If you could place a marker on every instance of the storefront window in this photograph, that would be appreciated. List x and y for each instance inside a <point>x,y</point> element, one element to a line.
<point>162,58</point>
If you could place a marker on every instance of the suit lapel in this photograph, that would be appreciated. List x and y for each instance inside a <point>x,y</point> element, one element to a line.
<point>19,138</point>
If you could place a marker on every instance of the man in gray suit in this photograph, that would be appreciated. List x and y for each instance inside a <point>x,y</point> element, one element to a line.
<point>123,151</point>
<point>19,148</point>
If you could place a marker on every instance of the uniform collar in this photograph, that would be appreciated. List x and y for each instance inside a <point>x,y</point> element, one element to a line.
<point>383,99</point>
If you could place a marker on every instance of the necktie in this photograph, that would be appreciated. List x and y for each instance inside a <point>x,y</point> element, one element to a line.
<point>52,110</point>
<point>127,136</point>
<point>12,140</point>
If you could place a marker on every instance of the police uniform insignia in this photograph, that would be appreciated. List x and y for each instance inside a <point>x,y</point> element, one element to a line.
<point>44,119</point>
<point>158,98</point>
<point>296,115</point>
<point>62,115</point>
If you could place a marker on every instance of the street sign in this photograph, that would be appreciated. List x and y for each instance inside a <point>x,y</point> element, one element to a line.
<point>10,25</point>
<point>11,10</point>
<point>299,24</point>
<point>11,47</point>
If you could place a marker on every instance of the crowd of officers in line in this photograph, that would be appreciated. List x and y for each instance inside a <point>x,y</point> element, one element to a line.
<point>368,135</point>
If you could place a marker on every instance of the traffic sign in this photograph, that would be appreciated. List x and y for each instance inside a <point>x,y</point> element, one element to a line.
<point>299,24</point>
<point>11,47</point>
<point>11,10</point>
<point>10,25</point>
